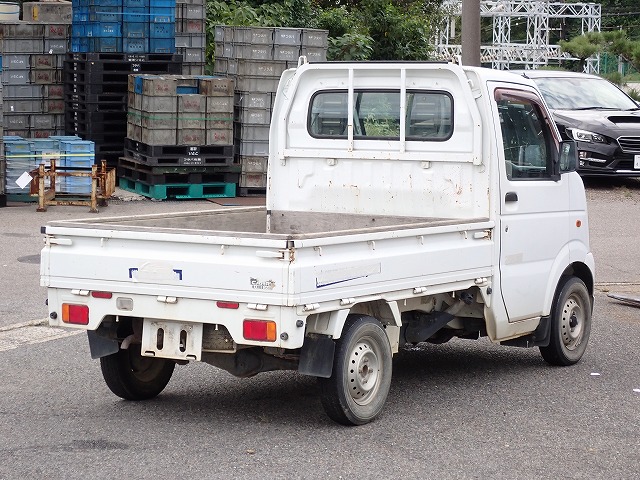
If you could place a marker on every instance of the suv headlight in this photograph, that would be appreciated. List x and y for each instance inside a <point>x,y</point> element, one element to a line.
<point>585,136</point>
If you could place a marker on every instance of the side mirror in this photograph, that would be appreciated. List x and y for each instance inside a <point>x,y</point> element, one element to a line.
<point>568,154</point>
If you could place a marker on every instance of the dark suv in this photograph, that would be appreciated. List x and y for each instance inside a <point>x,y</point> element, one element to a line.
<point>601,118</point>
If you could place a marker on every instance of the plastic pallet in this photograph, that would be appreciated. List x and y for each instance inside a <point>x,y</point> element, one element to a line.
<point>252,191</point>
<point>222,151</point>
<point>21,197</point>
<point>179,191</point>
<point>149,178</point>
<point>179,160</point>
<point>127,57</point>
<point>120,67</point>
<point>131,163</point>
<point>91,90</point>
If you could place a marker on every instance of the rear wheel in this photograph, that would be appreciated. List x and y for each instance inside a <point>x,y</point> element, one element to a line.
<point>133,377</point>
<point>358,387</point>
<point>570,324</point>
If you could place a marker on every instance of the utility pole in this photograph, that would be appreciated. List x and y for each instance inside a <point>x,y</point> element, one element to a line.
<point>471,32</point>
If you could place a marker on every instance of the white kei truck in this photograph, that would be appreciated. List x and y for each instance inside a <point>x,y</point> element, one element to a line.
<point>406,203</point>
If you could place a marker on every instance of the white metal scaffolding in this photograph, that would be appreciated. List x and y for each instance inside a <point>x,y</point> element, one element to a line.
<point>541,17</point>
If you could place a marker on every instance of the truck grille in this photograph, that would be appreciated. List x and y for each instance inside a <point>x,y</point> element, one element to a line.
<point>629,144</point>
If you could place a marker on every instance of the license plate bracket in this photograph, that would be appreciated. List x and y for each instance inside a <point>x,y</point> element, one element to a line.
<point>170,339</point>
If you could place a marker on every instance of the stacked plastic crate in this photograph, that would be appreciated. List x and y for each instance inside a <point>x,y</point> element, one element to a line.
<point>123,26</point>
<point>256,58</point>
<point>179,137</point>
<point>26,154</point>
<point>3,162</point>
<point>33,54</point>
<point>191,35</point>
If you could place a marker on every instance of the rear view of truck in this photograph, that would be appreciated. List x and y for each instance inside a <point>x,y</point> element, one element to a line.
<point>390,221</point>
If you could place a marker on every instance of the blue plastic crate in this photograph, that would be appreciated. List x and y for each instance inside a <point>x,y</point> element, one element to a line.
<point>79,30</point>
<point>105,14</point>
<point>0,63</point>
<point>77,161</point>
<point>162,30</point>
<point>162,45</point>
<point>105,29</point>
<point>184,90</point>
<point>135,45</point>
<point>136,15</point>
<point>42,144</point>
<point>16,146</point>
<point>77,146</point>
<point>163,3</point>
<point>162,14</point>
<point>75,185</point>
<point>79,45</point>
<point>135,29</point>
<point>105,45</point>
<point>127,4</point>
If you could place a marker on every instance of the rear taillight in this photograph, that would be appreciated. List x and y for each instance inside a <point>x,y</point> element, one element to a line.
<point>231,305</point>
<point>101,294</point>
<point>75,314</point>
<point>260,330</point>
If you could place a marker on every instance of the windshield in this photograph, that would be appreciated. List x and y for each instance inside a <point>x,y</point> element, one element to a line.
<point>576,93</point>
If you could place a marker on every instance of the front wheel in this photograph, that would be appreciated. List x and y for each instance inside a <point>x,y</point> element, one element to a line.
<point>570,324</point>
<point>132,376</point>
<point>358,387</point>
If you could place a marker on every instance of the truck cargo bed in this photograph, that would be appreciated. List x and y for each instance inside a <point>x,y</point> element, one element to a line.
<point>258,222</point>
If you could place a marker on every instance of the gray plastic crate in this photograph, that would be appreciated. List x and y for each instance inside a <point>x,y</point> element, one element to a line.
<point>254,100</point>
<point>224,50</point>
<point>253,180</point>
<point>219,136</point>
<point>248,132</point>
<point>219,105</point>
<point>46,122</point>
<point>23,91</point>
<point>21,30</point>
<point>16,61</point>
<point>196,12</point>
<point>16,122</point>
<point>315,38</point>
<point>193,68</point>
<point>287,36</point>
<point>256,148</point>
<point>190,41</point>
<point>52,91</point>
<point>191,136</point>
<point>157,137</point>
<point>22,106</point>
<point>45,76</point>
<point>226,66</point>
<point>193,55</point>
<point>223,33</point>
<point>288,53</point>
<point>257,84</point>
<point>45,61</point>
<point>23,45</point>
<point>255,116</point>
<point>314,54</point>
<point>55,45</point>
<point>159,104</point>
<point>253,164</point>
<point>251,51</point>
<point>15,77</point>
<point>259,68</point>
<point>253,35</point>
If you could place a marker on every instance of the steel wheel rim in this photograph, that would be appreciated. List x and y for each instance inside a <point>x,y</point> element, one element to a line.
<point>573,320</point>
<point>363,374</point>
<point>144,369</point>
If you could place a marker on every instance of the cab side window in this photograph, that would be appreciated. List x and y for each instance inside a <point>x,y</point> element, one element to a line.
<point>526,138</point>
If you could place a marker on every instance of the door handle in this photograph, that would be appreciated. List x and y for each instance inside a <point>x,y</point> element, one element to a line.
<point>511,197</point>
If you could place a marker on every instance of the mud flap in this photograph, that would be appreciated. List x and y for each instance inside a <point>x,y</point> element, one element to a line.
<point>316,357</point>
<point>101,346</point>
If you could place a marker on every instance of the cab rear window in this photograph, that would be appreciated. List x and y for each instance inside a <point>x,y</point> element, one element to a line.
<point>377,114</point>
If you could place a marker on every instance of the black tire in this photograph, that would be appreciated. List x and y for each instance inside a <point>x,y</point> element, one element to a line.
<point>133,377</point>
<point>570,324</point>
<point>362,365</point>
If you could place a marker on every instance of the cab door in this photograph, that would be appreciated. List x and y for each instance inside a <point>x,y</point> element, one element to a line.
<point>534,204</point>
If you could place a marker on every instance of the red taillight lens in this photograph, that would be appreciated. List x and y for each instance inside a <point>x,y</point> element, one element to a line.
<point>76,314</point>
<point>231,305</point>
<point>101,294</point>
<point>261,330</point>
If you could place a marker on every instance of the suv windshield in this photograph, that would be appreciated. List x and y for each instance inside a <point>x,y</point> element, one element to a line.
<point>580,93</point>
